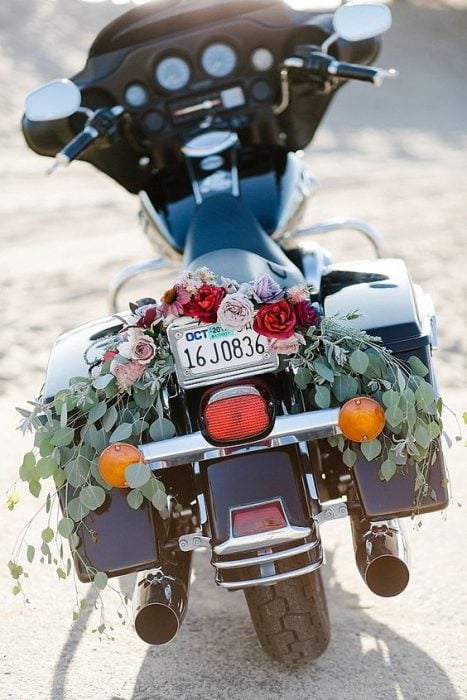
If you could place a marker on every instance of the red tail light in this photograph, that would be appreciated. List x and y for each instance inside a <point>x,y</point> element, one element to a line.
<point>258,518</point>
<point>235,413</point>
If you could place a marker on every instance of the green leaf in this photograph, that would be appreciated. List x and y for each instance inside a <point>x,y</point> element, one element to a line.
<point>464,417</point>
<point>35,488</point>
<point>371,449</point>
<point>417,366</point>
<point>62,437</point>
<point>63,416</point>
<point>434,429</point>
<point>388,469</point>
<point>30,552</point>
<point>135,499</point>
<point>322,368</point>
<point>46,448</point>
<point>97,411</point>
<point>60,573</point>
<point>65,527</point>
<point>47,535</point>
<point>303,377</point>
<point>47,466</point>
<point>359,361</point>
<point>391,398</point>
<point>421,435</point>
<point>59,478</point>
<point>100,580</point>
<point>424,395</point>
<point>394,416</point>
<point>92,497</point>
<point>110,419</point>
<point>344,387</point>
<point>26,469</point>
<point>159,500</point>
<point>349,457</point>
<point>121,432</point>
<point>162,429</point>
<point>102,380</point>
<point>322,396</point>
<point>137,475</point>
<point>143,398</point>
<point>77,472</point>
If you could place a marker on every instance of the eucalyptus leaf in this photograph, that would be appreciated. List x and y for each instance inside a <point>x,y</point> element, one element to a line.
<point>303,377</point>
<point>391,398</point>
<point>92,496</point>
<point>322,368</point>
<point>63,415</point>
<point>76,509</point>
<point>388,469</point>
<point>26,469</point>
<point>417,366</point>
<point>102,381</point>
<point>121,432</point>
<point>143,398</point>
<point>162,429</point>
<point>65,527</point>
<point>359,361</point>
<point>77,472</point>
<point>371,449</point>
<point>322,396</point>
<point>62,436</point>
<point>159,500</point>
<point>349,457</point>
<point>59,478</point>
<point>30,553</point>
<point>422,435</point>
<point>47,535</point>
<point>100,580</point>
<point>394,416</point>
<point>424,395</point>
<point>35,488</point>
<point>137,475</point>
<point>46,467</point>
<point>434,429</point>
<point>109,419</point>
<point>97,411</point>
<point>135,499</point>
<point>344,387</point>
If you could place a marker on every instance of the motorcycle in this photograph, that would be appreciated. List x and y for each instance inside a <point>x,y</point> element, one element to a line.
<point>201,109</point>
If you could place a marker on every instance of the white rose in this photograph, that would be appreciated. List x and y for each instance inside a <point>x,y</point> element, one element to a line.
<point>235,312</point>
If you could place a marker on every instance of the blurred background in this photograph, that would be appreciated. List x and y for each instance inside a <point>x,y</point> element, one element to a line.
<point>395,156</point>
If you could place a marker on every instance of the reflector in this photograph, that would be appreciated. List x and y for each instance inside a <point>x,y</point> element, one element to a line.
<point>258,518</point>
<point>361,419</point>
<point>115,459</point>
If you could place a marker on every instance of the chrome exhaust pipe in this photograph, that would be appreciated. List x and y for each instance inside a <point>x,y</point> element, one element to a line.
<point>161,601</point>
<point>381,554</point>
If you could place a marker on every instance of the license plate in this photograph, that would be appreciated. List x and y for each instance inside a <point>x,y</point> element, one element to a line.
<point>208,354</point>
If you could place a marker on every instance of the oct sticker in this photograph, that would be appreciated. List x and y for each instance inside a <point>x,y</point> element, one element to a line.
<point>216,332</point>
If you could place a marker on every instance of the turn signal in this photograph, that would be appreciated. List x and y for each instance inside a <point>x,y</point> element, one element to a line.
<point>361,419</point>
<point>115,459</point>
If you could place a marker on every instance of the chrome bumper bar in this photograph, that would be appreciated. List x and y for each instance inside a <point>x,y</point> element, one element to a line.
<point>295,428</point>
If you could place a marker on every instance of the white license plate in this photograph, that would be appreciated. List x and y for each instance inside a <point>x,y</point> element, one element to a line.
<point>208,354</point>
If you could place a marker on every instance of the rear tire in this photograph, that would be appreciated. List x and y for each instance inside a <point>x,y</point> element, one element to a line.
<point>291,618</point>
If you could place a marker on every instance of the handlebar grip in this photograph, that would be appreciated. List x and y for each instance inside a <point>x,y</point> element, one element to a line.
<point>353,71</point>
<point>77,145</point>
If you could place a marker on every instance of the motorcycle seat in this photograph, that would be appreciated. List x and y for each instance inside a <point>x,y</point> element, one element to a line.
<point>226,237</point>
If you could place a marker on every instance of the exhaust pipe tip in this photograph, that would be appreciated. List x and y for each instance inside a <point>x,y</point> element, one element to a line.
<point>387,576</point>
<point>156,624</point>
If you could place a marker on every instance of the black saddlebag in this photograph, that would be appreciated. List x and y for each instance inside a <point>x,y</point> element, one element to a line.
<point>401,315</point>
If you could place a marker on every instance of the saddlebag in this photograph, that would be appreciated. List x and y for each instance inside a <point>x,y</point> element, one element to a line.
<point>398,313</point>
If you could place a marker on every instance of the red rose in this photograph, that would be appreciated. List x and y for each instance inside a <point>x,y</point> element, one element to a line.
<point>275,320</point>
<point>306,314</point>
<point>204,303</point>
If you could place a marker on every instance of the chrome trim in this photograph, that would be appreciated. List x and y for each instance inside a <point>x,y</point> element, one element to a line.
<point>333,511</point>
<point>199,146</point>
<point>122,277</point>
<point>269,580</point>
<point>260,540</point>
<point>295,428</point>
<point>285,93</point>
<point>188,543</point>
<point>156,229</point>
<point>262,558</point>
<point>339,224</point>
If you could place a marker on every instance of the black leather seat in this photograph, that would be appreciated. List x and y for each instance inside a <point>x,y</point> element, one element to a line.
<point>225,236</point>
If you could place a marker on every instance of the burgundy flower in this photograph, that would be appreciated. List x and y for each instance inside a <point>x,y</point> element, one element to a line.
<point>204,304</point>
<point>275,320</point>
<point>148,315</point>
<point>306,314</point>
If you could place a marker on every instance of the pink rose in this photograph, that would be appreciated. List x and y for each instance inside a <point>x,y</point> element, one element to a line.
<point>138,347</point>
<point>127,373</point>
<point>235,312</point>
<point>287,346</point>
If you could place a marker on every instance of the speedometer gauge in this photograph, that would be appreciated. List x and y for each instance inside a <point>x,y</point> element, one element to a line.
<point>172,73</point>
<point>218,60</point>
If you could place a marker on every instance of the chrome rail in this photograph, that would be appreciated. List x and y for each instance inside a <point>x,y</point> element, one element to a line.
<point>195,448</point>
<point>342,224</point>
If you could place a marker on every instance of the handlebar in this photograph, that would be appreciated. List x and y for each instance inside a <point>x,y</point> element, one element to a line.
<point>103,122</point>
<point>325,66</point>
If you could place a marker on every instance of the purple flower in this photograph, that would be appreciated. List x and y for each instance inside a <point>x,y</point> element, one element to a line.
<point>266,290</point>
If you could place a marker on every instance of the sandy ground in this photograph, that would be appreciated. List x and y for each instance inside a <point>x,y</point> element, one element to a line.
<point>394,156</point>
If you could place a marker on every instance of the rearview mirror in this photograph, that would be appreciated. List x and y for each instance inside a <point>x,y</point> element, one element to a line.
<point>55,100</point>
<point>354,22</point>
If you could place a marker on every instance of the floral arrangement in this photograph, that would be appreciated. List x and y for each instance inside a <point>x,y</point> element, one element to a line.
<point>122,399</point>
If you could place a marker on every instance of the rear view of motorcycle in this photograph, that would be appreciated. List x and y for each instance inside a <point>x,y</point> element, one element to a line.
<point>269,390</point>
